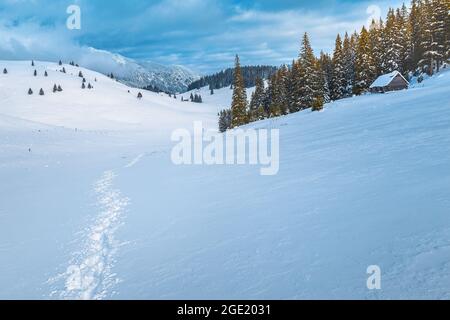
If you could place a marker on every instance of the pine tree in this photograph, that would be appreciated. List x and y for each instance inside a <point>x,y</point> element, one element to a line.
<point>317,104</point>
<point>59,88</point>
<point>41,92</point>
<point>60,62</point>
<point>32,63</point>
<point>5,71</point>
<point>83,86</point>
<point>348,65</point>
<point>63,70</point>
<point>89,86</point>
<point>275,108</point>
<point>376,44</point>
<point>80,74</point>
<point>192,97</point>
<point>257,100</point>
<point>30,92</point>
<point>390,40</point>
<point>55,88</point>
<point>433,38</point>
<point>311,89</point>
<point>439,25</point>
<point>338,86</point>
<point>416,24</point>
<point>325,66</point>
<point>404,40</point>
<point>282,78</point>
<point>35,73</point>
<point>45,74</point>
<point>139,95</point>
<point>364,67</point>
<point>239,102</point>
<point>296,82</point>
<point>224,120</point>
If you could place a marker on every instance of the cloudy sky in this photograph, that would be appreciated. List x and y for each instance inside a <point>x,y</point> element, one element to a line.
<point>203,35</point>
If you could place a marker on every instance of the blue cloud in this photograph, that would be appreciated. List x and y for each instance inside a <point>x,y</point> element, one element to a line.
<point>201,34</point>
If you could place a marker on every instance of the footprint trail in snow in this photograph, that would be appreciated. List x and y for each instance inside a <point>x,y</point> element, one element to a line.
<point>90,275</point>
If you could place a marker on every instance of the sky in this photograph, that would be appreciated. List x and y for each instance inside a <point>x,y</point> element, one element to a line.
<point>203,35</point>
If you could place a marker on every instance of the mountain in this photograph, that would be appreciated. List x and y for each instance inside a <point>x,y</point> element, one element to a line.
<point>138,74</point>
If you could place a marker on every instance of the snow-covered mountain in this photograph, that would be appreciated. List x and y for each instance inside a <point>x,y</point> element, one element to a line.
<point>92,207</point>
<point>138,74</point>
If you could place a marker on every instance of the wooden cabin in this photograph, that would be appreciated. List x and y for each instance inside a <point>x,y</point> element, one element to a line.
<point>389,82</point>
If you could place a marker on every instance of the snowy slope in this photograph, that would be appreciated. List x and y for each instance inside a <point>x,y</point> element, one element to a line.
<point>102,213</point>
<point>108,106</point>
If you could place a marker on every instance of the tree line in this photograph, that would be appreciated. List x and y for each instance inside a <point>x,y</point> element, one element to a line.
<point>225,78</point>
<point>414,41</point>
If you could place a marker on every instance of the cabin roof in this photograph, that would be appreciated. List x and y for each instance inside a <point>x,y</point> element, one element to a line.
<point>386,79</point>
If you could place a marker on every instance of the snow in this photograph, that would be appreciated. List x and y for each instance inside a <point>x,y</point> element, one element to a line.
<point>97,210</point>
<point>386,79</point>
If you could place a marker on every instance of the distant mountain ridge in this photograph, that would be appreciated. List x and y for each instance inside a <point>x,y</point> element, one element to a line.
<point>140,74</point>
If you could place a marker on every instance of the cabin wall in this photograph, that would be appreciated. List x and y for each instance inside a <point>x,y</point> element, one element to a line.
<point>398,83</point>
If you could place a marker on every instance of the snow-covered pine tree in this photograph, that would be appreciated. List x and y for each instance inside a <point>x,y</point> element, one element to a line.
<point>60,63</point>
<point>257,100</point>
<point>5,71</point>
<point>35,73</point>
<point>192,97</point>
<point>30,92</point>
<point>348,65</point>
<point>297,76</point>
<point>45,74</point>
<point>364,67</point>
<point>416,25</point>
<point>390,40</point>
<point>89,86</point>
<point>338,80</point>
<point>439,29</point>
<point>326,68</point>
<point>312,88</point>
<point>139,96</point>
<point>55,88</point>
<point>278,93</point>
<point>404,40</point>
<point>239,102</point>
<point>59,88</point>
<point>375,32</point>
<point>80,74</point>
<point>83,86</point>
<point>41,92</point>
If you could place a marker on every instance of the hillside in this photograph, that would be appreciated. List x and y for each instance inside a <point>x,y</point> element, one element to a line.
<point>108,106</point>
<point>102,213</point>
